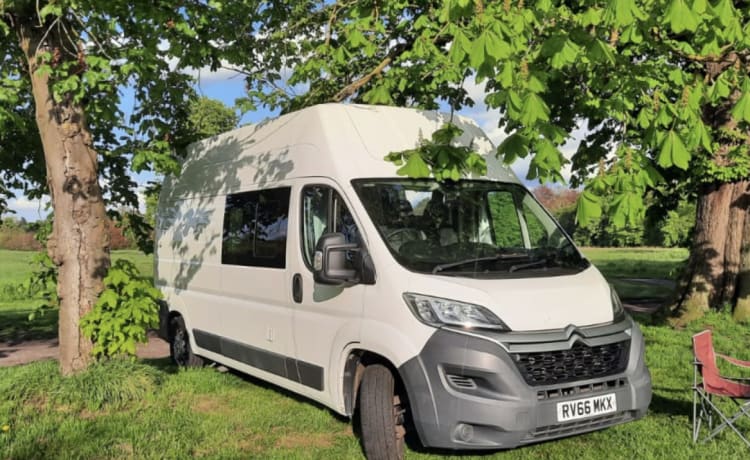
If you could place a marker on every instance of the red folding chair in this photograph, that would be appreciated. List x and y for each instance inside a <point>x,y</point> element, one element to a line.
<point>711,384</point>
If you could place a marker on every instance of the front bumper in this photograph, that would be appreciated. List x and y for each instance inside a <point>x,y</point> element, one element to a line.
<point>467,391</point>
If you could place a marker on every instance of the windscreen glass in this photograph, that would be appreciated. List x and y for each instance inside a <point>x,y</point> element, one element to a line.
<point>468,228</point>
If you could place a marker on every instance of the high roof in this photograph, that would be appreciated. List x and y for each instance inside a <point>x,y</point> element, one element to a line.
<point>342,141</point>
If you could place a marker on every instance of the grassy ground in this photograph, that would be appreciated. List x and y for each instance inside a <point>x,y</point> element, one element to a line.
<point>661,263</point>
<point>152,410</point>
<point>15,268</point>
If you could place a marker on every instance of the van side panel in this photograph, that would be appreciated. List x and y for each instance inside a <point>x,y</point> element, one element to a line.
<point>188,244</point>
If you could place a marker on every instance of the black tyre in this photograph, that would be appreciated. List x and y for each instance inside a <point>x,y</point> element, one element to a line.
<point>381,415</point>
<point>179,345</point>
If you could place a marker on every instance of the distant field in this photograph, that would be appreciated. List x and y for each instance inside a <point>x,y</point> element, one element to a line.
<point>16,266</point>
<point>661,263</point>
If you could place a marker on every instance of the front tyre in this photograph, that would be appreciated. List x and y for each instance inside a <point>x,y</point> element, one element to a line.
<point>179,345</point>
<point>381,415</point>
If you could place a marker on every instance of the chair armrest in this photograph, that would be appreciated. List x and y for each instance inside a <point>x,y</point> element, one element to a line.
<point>736,362</point>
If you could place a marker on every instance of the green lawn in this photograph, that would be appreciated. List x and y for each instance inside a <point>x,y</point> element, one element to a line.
<point>15,266</point>
<point>661,263</point>
<point>151,410</point>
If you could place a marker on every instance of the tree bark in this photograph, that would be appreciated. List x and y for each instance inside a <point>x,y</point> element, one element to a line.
<point>713,277</point>
<point>742,305</point>
<point>79,241</point>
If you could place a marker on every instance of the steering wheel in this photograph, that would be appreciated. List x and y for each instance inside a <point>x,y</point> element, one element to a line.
<point>403,232</point>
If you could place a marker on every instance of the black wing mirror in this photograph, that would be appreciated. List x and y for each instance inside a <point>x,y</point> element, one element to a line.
<point>333,260</point>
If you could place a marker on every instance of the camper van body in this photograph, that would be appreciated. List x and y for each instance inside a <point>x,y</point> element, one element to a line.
<point>549,355</point>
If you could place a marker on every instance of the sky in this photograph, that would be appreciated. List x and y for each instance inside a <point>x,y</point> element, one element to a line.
<point>226,86</point>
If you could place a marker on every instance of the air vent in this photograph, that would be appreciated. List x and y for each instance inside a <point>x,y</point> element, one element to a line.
<point>462,382</point>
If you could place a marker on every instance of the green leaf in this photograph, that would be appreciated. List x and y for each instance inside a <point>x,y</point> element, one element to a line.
<point>588,208</point>
<point>561,49</point>
<point>673,152</point>
<point>534,109</point>
<point>496,46</point>
<point>627,208</point>
<point>741,110</point>
<point>108,298</point>
<point>477,54</point>
<point>699,136</point>
<point>512,147</point>
<point>506,75</point>
<point>591,17</point>
<point>680,17</point>
<point>459,47</point>
<point>415,167</point>
<point>599,51</point>
<point>621,12</point>
<point>720,89</point>
<point>725,11</point>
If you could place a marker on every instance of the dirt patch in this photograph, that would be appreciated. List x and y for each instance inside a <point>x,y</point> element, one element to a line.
<point>210,404</point>
<point>15,353</point>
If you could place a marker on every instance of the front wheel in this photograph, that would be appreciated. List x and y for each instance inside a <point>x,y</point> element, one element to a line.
<point>179,345</point>
<point>381,415</point>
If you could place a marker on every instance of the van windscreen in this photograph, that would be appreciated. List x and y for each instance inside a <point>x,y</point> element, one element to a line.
<point>468,228</point>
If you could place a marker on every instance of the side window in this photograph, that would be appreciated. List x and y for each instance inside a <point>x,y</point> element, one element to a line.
<point>323,211</point>
<point>255,225</point>
<point>505,222</point>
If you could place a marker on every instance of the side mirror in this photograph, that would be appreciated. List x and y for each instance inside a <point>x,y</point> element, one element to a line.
<point>330,264</point>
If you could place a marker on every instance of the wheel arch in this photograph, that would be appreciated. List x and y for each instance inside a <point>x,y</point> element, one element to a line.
<point>356,361</point>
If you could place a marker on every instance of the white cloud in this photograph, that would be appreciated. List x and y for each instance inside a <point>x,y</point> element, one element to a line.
<point>31,210</point>
<point>25,204</point>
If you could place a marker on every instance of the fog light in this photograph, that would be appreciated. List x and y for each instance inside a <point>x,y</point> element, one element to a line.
<point>465,432</point>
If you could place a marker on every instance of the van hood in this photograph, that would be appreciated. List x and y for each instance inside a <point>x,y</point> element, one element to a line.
<point>529,304</point>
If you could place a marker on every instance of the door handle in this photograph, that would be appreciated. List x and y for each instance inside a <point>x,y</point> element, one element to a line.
<point>297,288</point>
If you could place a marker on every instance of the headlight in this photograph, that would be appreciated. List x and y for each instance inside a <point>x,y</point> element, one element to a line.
<point>440,312</point>
<point>618,312</point>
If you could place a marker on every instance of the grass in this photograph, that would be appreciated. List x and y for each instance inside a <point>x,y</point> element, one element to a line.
<point>621,265</point>
<point>15,269</point>
<point>152,410</point>
<point>15,325</point>
<point>662,263</point>
<point>15,266</point>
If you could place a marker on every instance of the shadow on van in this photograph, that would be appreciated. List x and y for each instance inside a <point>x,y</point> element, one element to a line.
<point>189,231</point>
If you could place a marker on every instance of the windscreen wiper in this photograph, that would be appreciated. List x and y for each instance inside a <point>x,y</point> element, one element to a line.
<point>515,268</point>
<point>501,256</point>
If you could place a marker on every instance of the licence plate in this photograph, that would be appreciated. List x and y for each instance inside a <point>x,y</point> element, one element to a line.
<point>587,407</point>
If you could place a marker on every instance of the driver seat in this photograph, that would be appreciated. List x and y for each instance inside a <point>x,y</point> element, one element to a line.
<point>438,214</point>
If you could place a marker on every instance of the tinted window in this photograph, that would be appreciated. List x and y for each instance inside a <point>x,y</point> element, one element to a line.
<point>255,226</point>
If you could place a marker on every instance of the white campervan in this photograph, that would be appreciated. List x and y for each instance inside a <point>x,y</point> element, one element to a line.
<point>292,251</point>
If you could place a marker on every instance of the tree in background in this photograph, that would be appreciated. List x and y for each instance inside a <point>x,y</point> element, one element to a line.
<point>662,87</point>
<point>64,67</point>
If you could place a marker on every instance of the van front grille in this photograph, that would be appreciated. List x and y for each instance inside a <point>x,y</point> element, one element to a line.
<point>581,362</point>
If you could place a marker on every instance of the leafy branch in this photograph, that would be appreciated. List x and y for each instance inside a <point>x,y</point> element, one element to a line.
<point>440,157</point>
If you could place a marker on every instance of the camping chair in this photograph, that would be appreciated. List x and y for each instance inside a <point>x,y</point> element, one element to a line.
<point>714,384</point>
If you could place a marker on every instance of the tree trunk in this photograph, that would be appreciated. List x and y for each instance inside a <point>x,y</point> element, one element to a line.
<point>742,306</point>
<point>79,241</point>
<point>713,276</point>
